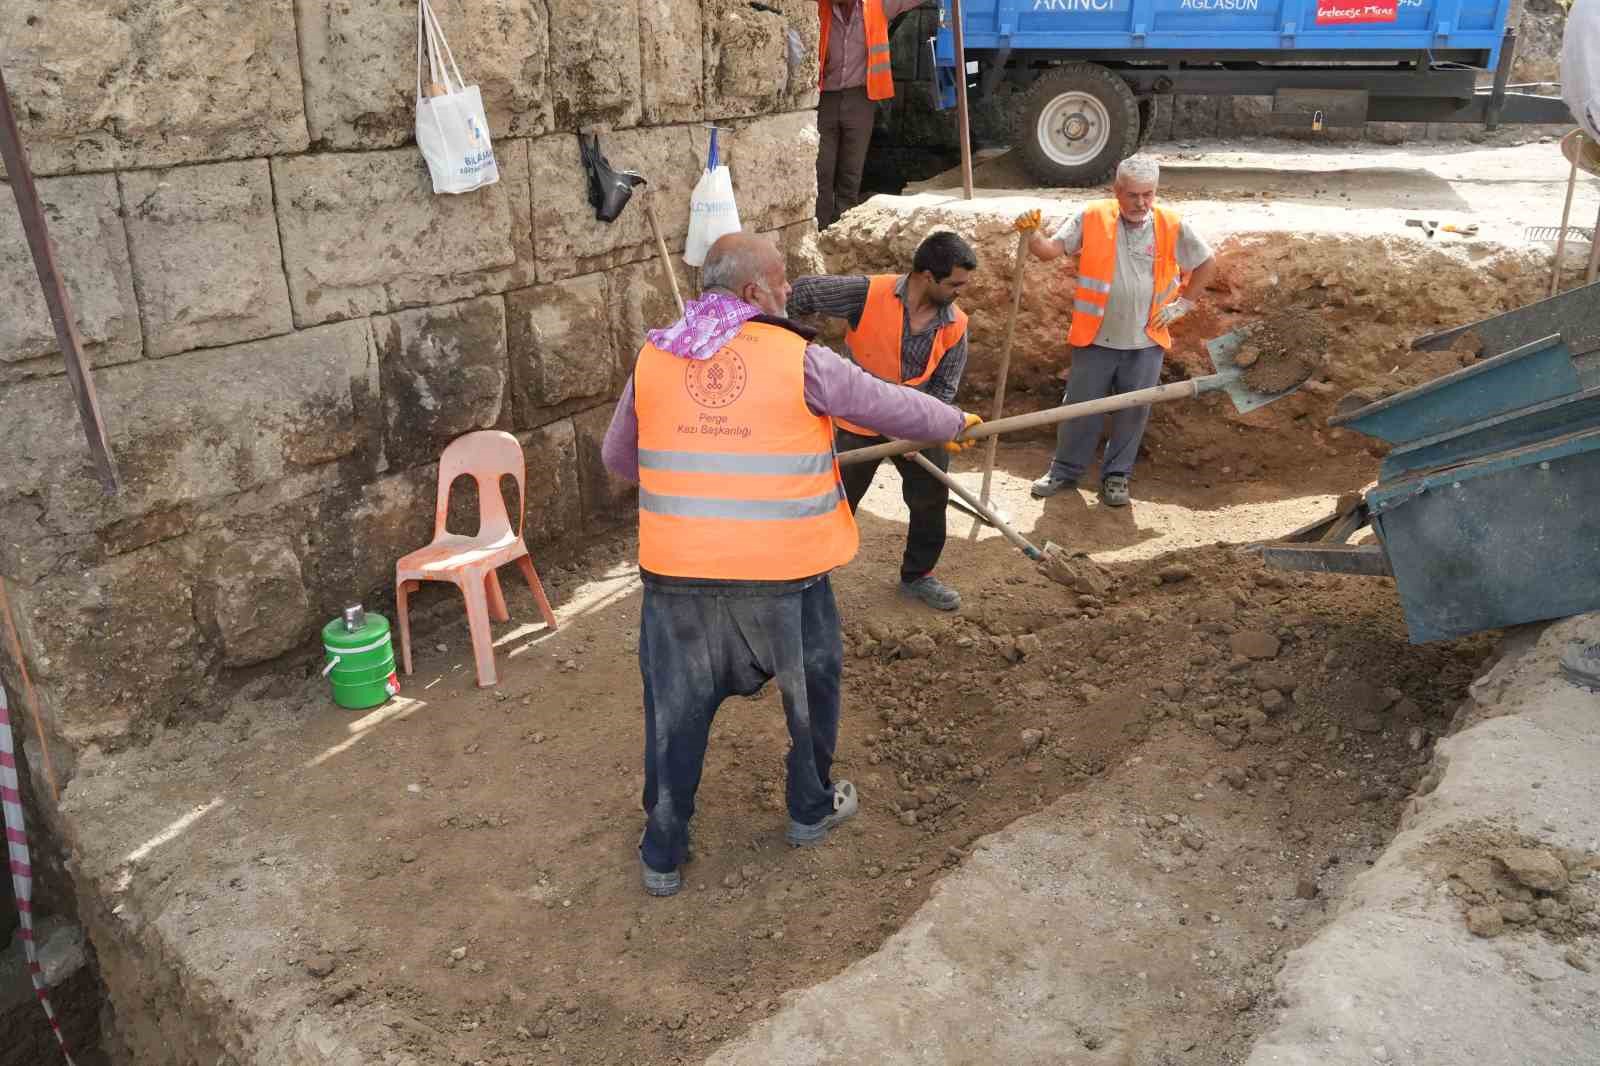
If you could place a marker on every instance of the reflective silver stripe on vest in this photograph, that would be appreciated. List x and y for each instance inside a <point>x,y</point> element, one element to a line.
<point>734,462</point>
<point>1168,293</point>
<point>877,48</point>
<point>878,68</point>
<point>739,510</point>
<point>1094,285</point>
<point>1088,308</point>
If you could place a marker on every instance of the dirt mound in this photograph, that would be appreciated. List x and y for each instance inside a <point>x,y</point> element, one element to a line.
<point>1506,884</point>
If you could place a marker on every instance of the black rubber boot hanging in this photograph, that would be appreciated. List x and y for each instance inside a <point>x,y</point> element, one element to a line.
<point>609,189</point>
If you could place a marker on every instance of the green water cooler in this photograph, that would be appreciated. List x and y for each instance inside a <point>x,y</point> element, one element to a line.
<point>360,659</point>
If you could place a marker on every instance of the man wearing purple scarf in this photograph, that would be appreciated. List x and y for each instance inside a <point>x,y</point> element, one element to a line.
<point>727,426</point>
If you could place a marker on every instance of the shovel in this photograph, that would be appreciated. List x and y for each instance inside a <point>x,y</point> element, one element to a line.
<point>1229,379</point>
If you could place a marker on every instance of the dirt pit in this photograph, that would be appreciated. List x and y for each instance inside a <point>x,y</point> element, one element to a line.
<point>455,879</point>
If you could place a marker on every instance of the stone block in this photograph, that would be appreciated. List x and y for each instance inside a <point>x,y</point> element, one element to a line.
<point>363,233</point>
<point>801,254</point>
<point>561,346</point>
<point>207,266</point>
<point>673,65</point>
<point>802,91</point>
<point>188,430</point>
<point>607,500</point>
<point>1396,132</point>
<point>1246,116</point>
<point>359,58</point>
<point>571,240</point>
<point>641,300</point>
<point>1195,117</point>
<point>555,496</point>
<point>594,63</point>
<point>746,59</point>
<point>444,373</point>
<point>116,644</point>
<point>84,216</point>
<point>253,593</point>
<point>771,189</point>
<point>366,530</point>
<point>149,83</point>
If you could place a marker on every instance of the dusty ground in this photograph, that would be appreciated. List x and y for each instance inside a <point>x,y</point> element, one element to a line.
<point>453,879</point>
<point>341,869</point>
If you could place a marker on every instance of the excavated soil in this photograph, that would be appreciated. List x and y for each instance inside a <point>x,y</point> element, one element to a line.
<point>457,882</point>
<point>1282,351</point>
<point>467,869</point>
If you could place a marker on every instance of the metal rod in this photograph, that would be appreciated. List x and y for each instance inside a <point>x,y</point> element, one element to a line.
<point>30,698</point>
<point>56,298</point>
<point>1566,216</point>
<point>963,127</point>
<point>1502,75</point>
<point>661,249</point>
<point>1005,360</point>
<point>1177,390</point>
<point>988,515</point>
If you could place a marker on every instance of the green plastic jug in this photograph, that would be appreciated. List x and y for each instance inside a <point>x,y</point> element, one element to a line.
<point>360,659</point>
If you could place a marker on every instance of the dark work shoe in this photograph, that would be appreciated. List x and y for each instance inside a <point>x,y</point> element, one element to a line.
<point>660,884</point>
<point>1114,491</point>
<point>1049,485</point>
<point>845,805</point>
<point>933,592</point>
<point>1581,664</point>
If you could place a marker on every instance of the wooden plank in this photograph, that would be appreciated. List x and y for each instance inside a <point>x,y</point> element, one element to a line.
<point>1367,560</point>
<point>55,290</point>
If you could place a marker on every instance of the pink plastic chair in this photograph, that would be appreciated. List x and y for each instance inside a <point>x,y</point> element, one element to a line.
<point>469,563</point>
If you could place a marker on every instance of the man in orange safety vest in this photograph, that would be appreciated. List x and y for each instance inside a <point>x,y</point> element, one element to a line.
<point>1139,268</point>
<point>856,74</point>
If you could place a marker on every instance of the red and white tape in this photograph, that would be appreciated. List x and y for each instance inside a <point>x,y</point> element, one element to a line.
<point>22,865</point>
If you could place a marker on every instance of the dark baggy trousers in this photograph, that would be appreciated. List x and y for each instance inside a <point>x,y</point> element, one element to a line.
<point>925,495</point>
<point>701,642</point>
<point>844,121</point>
<point>1097,373</point>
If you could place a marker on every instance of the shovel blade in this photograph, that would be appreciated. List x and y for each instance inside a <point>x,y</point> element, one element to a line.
<point>1230,375</point>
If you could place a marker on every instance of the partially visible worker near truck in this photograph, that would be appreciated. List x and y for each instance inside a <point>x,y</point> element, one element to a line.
<point>856,74</point>
<point>1139,270</point>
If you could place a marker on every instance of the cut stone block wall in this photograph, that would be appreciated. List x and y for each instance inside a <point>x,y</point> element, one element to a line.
<point>287,326</point>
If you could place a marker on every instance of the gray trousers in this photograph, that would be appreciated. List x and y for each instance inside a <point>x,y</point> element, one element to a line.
<point>1097,373</point>
<point>844,121</point>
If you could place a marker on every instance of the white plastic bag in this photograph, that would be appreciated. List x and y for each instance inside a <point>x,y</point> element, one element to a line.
<point>712,211</point>
<point>452,129</point>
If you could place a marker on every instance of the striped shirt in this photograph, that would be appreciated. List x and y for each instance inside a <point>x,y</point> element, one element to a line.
<point>846,297</point>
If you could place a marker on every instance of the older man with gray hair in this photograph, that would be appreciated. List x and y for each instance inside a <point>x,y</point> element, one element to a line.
<point>1139,268</point>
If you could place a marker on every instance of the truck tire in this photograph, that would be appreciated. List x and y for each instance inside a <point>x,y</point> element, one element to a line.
<point>1077,122</point>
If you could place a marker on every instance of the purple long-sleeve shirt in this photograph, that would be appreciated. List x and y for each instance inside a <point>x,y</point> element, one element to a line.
<point>833,386</point>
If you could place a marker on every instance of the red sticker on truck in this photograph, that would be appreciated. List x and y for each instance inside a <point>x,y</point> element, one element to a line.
<point>1351,12</point>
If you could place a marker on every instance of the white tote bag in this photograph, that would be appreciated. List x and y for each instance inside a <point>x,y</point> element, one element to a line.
<point>452,129</point>
<point>712,212</point>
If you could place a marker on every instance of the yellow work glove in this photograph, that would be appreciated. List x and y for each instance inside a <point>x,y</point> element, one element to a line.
<point>1028,221</point>
<point>959,445</point>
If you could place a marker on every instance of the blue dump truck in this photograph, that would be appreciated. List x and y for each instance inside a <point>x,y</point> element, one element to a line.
<point>1091,73</point>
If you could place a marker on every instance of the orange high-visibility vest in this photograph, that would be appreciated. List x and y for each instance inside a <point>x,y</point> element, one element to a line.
<point>874,343</point>
<point>880,72</point>
<point>1097,266</point>
<point>737,478</point>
